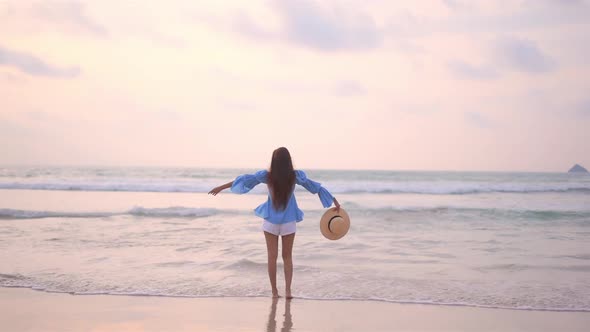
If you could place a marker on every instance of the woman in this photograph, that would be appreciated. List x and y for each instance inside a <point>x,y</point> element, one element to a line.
<point>280,212</point>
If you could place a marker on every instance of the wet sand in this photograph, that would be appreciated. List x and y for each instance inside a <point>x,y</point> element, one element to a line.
<point>30,310</point>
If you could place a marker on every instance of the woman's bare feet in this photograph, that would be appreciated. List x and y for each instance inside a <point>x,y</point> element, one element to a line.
<point>288,295</point>
<point>275,294</point>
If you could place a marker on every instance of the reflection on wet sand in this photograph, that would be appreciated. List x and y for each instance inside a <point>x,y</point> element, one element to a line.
<point>271,326</point>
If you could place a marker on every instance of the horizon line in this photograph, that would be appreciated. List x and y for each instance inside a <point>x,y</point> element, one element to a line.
<point>312,168</point>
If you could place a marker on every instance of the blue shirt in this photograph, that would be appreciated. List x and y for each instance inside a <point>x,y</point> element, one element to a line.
<point>244,183</point>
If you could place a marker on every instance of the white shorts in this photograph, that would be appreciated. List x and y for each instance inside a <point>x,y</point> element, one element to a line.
<point>279,229</point>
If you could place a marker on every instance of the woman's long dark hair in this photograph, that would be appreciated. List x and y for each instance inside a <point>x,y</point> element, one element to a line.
<point>281,178</point>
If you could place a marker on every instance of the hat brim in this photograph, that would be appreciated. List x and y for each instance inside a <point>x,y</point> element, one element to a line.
<point>325,222</point>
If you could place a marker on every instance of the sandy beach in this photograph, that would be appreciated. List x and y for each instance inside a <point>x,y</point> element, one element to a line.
<point>29,310</point>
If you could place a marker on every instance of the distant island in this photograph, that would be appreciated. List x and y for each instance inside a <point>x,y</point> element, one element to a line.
<point>577,169</point>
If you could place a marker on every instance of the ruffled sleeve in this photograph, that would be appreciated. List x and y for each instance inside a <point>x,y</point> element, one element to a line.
<point>244,183</point>
<point>314,187</point>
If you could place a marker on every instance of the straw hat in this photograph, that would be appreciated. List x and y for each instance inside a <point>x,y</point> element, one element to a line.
<point>334,225</point>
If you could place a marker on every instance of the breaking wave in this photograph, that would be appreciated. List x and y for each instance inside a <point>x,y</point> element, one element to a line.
<point>173,211</point>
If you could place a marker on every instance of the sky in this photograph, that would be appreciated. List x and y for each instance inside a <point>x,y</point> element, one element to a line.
<point>350,84</point>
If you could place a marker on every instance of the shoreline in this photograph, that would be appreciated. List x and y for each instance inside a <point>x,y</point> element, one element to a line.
<point>26,309</point>
<point>466,305</point>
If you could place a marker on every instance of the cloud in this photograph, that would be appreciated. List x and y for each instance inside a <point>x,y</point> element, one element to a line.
<point>457,4</point>
<point>476,17</point>
<point>418,109</point>
<point>555,2</point>
<point>404,30</point>
<point>236,105</point>
<point>523,55</point>
<point>8,77</point>
<point>468,71</point>
<point>349,88</point>
<point>478,120</point>
<point>583,108</point>
<point>309,24</point>
<point>5,9</point>
<point>507,54</point>
<point>33,65</point>
<point>41,116</point>
<point>306,23</point>
<point>245,25</point>
<point>72,13</point>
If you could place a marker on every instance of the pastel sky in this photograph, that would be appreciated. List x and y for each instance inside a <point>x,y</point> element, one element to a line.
<point>347,84</point>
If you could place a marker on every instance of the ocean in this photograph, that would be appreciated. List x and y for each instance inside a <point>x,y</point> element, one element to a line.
<point>484,239</point>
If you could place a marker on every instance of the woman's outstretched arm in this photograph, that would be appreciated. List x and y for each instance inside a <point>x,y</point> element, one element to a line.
<point>316,188</point>
<point>217,190</point>
<point>243,183</point>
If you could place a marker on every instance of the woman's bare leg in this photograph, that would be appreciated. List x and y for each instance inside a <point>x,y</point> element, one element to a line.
<point>272,249</point>
<point>287,252</point>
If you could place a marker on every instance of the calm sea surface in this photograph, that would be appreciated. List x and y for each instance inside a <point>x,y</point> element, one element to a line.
<point>508,240</point>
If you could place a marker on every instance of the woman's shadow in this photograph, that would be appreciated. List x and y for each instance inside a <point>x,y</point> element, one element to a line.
<point>271,326</point>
